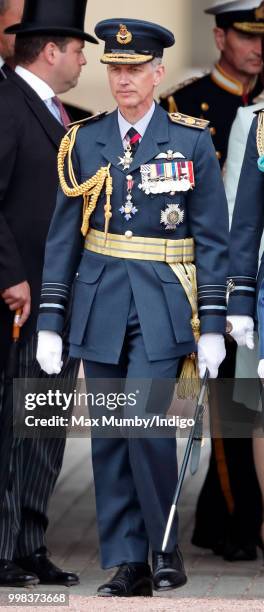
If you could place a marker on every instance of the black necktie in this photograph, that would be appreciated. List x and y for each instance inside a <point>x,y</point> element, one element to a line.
<point>134,138</point>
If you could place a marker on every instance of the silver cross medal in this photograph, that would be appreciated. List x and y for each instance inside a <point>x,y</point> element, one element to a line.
<point>126,161</point>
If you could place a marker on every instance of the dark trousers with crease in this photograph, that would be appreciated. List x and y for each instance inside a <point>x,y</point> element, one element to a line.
<point>36,464</point>
<point>135,477</point>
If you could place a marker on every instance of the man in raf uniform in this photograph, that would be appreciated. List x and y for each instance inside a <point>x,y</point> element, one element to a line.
<point>163,198</point>
<point>246,302</point>
<point>234,81</point>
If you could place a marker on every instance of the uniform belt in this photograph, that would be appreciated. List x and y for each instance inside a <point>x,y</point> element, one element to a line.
<point>139,247</point>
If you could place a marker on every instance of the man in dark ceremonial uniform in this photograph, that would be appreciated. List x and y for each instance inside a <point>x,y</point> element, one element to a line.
<point>233,82</point>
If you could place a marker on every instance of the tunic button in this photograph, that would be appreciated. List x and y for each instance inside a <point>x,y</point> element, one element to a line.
<point>128,234</point>
<point>205,107</point>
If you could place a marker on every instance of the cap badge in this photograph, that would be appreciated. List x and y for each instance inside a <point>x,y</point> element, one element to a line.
<point>259,12</point>
<point>124,37</point>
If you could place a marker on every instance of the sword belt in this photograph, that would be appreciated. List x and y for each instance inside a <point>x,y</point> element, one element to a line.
<point>141,247</point>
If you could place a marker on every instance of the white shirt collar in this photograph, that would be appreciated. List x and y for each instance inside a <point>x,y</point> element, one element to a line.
<point>1,62</point>
<point>140,126</point>
<point>42,88</point>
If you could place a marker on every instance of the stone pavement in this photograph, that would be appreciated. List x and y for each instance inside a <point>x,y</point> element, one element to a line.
<point>72,537</point>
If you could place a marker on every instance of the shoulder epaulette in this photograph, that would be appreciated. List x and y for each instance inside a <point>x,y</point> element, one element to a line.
<point>174,88</point>
<point>83,122</point>
<point>259,110</point>
<point>194,122</point>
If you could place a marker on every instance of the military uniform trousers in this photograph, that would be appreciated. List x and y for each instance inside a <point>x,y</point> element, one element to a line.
<point>35,466</point>
<point>135,477</point>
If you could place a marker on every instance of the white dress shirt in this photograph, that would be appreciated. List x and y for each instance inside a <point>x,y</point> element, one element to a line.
<point>140,126</point>
<point>41,88</point>
<point>1,62</point>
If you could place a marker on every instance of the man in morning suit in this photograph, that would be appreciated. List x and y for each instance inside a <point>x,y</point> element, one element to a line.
<point>11,12</point>
<point>49,51</point>
<point>131,315</point>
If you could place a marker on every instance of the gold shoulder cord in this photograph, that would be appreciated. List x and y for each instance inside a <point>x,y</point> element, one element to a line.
<point>260,134</point>
<point>90,189</point>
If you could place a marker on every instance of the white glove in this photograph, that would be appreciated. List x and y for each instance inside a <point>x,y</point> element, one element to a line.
<point>211,353</point>
<point>242,330</point>
<point>261,369</point>
<point>49,352</point>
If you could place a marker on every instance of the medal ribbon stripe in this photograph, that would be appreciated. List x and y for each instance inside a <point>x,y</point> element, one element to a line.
<point>191,173</point>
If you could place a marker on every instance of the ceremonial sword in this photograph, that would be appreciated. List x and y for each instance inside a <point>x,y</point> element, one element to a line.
<point>195,435</point>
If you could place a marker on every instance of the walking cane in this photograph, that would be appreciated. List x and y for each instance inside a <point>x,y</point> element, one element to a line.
<point>197,419</point>
<point>6,420</point>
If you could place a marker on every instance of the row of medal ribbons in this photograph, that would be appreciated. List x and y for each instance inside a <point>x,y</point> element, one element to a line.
<point>167,177</point>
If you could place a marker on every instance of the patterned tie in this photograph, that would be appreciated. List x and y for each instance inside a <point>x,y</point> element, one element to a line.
<point>65,119</point>
<point>134,138</point>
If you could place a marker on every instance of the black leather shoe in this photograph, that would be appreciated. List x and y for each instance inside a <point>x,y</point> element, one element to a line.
<point>243,552</point>
<point>168,570</point>
<point>45,570</point>
<point>13,576</point>
<point>130,580</point>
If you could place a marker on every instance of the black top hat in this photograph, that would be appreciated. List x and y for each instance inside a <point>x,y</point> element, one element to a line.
<point>56,17</point>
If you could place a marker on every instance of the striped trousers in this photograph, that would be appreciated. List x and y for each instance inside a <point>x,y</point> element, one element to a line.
<point>36,464</point>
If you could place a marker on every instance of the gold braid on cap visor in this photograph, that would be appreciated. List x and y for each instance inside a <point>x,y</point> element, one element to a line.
<point>251,28</point>
<point>125,58</point>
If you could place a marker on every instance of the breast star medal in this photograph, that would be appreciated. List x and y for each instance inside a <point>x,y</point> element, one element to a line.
<point>128,209</point>
<point>172,216</point>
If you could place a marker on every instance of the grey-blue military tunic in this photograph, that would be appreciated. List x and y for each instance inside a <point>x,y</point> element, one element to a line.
<point>137,307</point>
<point>246,297</point>
<point>103,284</point>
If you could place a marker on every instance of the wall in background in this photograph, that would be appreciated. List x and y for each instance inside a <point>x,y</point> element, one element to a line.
<point>194,47</point>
